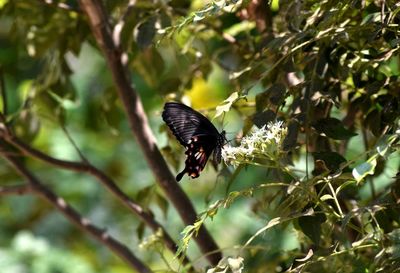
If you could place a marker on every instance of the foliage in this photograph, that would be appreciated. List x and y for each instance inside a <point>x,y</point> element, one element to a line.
<point>308,92</point>
<point>28,253</point>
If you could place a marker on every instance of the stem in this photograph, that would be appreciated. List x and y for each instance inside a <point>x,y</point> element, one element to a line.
<point>15,189</point>
<point>335,199</point>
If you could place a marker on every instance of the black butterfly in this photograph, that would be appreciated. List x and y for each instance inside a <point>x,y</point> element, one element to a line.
<point>196,133</point>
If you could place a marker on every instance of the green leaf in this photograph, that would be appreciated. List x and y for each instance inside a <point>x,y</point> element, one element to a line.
<point>162,203</point>
<point>140,230</point>
<point>144,32</point>
<point>263,118</point>
<point>384,144</point>
<point>145,195</point>
<point>169,85</point>
<point>212,210</point>
<point>394,249</point>
<point>373,122</point>
<point>227,104</point>
<point>372,17</point>
<point>394,43</point>
<point>27,125</point>
<point>343,186</point>
<point>187,234</point>
<point>198,16</point>
<point>235,194</point>
<point>311,227</point>
<point>326,197</point>
<point>65,103</point>
<point>234,265</point>
<point>237,74</point>
<point>332,160</point>
<point>276,93</point>
<point>364,169</point>
<point>242,26</point>
<point>333,128</point>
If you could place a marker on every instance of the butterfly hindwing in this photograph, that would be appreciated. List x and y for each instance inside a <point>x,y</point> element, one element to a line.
<point>196,133</point>
<point>197,153</point>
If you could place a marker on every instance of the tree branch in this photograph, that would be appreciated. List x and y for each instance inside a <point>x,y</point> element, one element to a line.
<point>139,125</point>
<point>83,223</point>
<point>86,167</point>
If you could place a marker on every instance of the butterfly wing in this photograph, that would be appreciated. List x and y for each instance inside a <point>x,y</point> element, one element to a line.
<point>185,122</point>
<point>197,153</point>
<point>196,133</point>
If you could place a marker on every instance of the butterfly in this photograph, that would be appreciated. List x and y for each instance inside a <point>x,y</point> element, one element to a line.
<point>197,134</point>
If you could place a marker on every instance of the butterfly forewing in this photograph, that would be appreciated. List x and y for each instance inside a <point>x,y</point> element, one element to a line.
<point>185,122</point>
<point>196,133</point>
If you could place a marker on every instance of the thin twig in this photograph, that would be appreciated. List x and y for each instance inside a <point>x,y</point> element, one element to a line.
<point>73,143</point>
<point>102,236</point>
<point>28,150</point>
<point>139,124</point>
<point>15,189</point>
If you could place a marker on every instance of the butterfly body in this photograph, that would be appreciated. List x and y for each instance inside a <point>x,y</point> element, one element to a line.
<point>197,134</point>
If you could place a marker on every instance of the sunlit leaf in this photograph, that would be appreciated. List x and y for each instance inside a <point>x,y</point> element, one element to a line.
<point>236,264</point>
<point>64,102</point>
<point>198,16</point>
<point>243,26</point>
<point>326,197</point>
<point>227,104</point>
<point>364,169</point>
<point>384,144</point>
<point>344,185</point>
<point>237,74</point>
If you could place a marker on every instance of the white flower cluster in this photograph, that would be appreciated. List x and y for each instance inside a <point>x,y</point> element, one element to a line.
<point>262,143</point>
